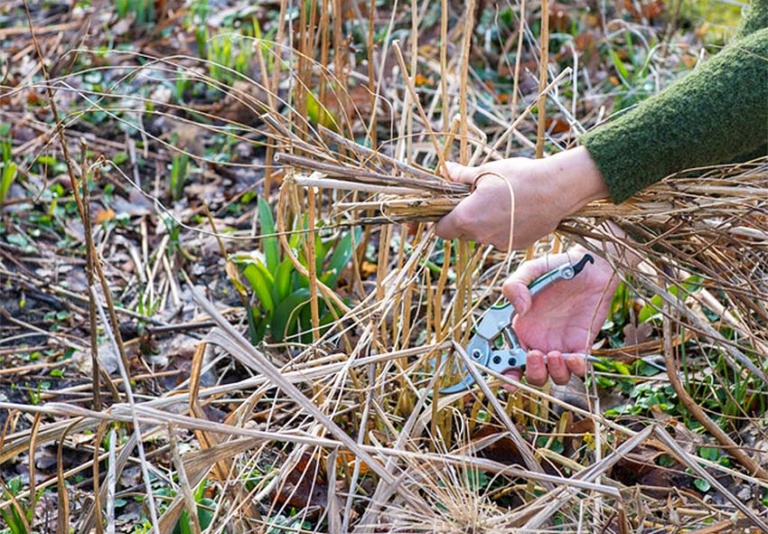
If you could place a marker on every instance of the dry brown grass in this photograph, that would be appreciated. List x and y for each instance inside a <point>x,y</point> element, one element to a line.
<point>349,432</point>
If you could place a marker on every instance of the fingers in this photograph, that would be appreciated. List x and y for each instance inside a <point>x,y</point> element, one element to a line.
<point>460,173</point>
<point>558,371</point>
<point>576,363</point>
<point>536,368</point>
<point>514,374</point>
<point>555,365</point>
<point>454,225</point>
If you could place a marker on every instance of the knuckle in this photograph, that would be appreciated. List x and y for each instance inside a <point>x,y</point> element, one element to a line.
<point>462,217</point>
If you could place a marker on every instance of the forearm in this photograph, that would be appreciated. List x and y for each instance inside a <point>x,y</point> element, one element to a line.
<point>574,180</point>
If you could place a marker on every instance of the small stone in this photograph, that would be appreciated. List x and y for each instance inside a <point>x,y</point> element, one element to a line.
<point>744,494</point>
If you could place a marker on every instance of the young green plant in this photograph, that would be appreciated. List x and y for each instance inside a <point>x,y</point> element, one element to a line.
<point>8,168</point>
<point>282,292</point>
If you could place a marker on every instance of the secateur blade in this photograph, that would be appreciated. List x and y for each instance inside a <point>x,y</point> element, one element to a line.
<point>479,350</point>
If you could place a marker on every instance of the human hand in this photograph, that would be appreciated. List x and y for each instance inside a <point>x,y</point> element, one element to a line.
<point>545,191</point>
<point>563,320</point>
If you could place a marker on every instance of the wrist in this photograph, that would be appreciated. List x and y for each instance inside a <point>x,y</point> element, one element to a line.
<point>618,244</point>
<point>577,179</point>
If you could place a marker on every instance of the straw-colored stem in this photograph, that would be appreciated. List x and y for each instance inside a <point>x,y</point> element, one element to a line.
<point>732,447</point>
<point>543,76</point>
<point>466,51</point>
<point>444,64</point>
<point>415,98</point>
<point>518,59</point>
<point>312,264</point>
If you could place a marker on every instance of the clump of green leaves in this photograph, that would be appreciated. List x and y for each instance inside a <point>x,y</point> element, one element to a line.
<point>281,292</point>
<point>178,176</point>
<point>205,508</point>
<point>229,56</point>
<point>142,10</point>
<point>18,516</point>
<point>8,168</point>
<point>205,511</point>
<point>633,71</point>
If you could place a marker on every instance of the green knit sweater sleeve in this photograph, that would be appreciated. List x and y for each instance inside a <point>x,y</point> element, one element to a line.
<point>709,116</point>
<point>755,19</point>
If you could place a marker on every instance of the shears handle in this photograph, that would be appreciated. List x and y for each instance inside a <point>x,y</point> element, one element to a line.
<point>495,315</point>
<point>497,322</point>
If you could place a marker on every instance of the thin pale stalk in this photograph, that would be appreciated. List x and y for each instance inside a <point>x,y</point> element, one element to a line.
<point>543,76</point>
<point>362,175</point>
<point>692,406</point>
<point>312,264</point>
<point>466,49</point>
<point>518,57</point>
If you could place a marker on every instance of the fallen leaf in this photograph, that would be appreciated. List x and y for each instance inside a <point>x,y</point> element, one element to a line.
<point>305,485</point>
<point>103,216</point>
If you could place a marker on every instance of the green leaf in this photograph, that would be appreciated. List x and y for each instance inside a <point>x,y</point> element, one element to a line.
<point>701,485</point>
<point>621,69</point>
<point>267,227</point>
<point>8,176</point>
<point>340,257</point>
<point>261,285</point>
<point>183,526</point>
<point>319,114</point>
<point>178,178</point>
<point>555,446</point>
<point>13,520</point>
<point>199,491</point>
<point>47,160</point>
<point>286,315</point>
<point>653,308</point>
<point>17,239</point>
<point>283,275</point>
<point>295,240</point>
<point>475,479</point>
<point>621,368</point>
<point>120,158</point>
<point>257,327</point>
<point>709,453</point>
<point>321,251</point>
<point>205,512</point>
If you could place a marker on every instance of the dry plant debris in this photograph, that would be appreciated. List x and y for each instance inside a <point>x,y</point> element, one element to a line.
<point>220,310</point>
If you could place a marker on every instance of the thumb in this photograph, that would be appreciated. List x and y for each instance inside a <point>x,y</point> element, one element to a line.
<point>518,294</point>
<point>515,288</point>
<point>460,173</point>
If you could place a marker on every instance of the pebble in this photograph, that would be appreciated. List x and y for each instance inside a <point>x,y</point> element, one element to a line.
<point>744,494</point>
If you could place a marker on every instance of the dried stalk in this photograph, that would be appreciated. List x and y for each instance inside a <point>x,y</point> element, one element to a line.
<point>729,445</point>
<point>361,175</point>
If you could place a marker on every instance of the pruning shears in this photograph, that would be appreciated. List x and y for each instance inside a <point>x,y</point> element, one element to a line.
<point>495,330</point>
